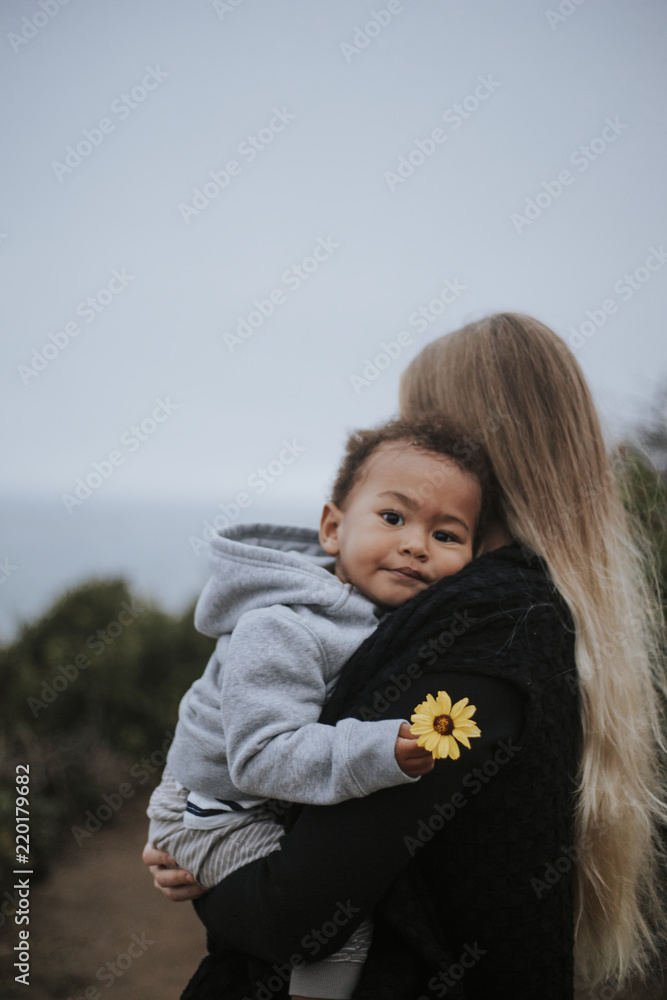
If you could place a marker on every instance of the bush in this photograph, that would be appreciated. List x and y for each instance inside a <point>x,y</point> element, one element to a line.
<point>89,691</point>
<point>644,490</point>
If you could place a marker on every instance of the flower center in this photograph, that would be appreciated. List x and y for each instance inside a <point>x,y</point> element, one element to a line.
<point>443,724</point>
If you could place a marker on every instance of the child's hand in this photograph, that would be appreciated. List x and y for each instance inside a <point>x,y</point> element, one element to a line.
<point>173,882</point>
<point>411,759</point>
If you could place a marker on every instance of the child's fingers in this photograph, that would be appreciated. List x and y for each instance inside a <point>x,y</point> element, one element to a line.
<point>171,878</point>
<point>178,893</point>
<point>410,749</point>
<point>415,768</point>
<point>413,760</point>
<point>154,856</point>
<point>424,766</point>
<point>418,761</point>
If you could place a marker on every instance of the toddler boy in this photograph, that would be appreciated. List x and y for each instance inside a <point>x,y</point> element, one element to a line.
<point>288,608</point>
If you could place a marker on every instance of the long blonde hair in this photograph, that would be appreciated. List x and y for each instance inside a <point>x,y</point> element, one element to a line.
<point>516,390</point>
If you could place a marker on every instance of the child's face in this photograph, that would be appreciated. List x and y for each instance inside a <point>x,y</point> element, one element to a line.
<point>407,523</point>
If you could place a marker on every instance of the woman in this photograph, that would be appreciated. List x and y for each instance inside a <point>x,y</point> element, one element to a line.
<point>491,874</point>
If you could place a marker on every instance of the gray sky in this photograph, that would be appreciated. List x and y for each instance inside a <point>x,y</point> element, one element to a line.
<point>334,108</point>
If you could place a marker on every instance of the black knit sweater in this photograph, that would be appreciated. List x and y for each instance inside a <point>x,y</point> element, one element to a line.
<point>469,871</point>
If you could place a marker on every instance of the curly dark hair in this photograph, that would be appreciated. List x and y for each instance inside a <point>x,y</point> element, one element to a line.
<point>428,434</point>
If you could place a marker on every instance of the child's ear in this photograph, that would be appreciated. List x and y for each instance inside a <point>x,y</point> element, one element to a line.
<point>329,525</point>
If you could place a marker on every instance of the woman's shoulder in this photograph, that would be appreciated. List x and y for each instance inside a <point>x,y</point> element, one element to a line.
<point>514,565</point>
<point>507,583</point>
<point>500,616</point>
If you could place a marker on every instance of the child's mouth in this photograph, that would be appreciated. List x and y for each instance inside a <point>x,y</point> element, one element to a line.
<point>408,573</point>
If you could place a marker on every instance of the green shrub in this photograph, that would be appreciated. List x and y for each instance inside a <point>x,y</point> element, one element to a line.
<point>90,689</point>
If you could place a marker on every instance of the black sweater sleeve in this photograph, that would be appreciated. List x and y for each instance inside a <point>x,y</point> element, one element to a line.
<point>303,901</point>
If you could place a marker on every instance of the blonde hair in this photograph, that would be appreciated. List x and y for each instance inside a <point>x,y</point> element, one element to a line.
<point>515,389</point>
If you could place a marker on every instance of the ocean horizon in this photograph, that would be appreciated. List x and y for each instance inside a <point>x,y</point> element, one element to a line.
<point>157,547</point>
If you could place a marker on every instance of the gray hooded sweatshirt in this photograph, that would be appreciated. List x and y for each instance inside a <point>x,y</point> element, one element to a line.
<point>285,626</point>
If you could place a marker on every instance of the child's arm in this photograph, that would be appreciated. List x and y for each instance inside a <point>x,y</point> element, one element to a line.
<point>273,690</point>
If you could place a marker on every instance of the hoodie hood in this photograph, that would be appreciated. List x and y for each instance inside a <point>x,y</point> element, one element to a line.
<point>259,565</point>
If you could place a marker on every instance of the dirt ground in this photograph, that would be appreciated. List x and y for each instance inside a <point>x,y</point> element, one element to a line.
<point>97,924</point>
<point>99,902</point>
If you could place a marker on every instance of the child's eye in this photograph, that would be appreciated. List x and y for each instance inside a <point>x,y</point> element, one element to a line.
<point>392,517</point>
<point>444,536</point>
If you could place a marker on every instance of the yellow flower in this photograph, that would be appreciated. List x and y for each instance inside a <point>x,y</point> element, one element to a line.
<point>439,725</point>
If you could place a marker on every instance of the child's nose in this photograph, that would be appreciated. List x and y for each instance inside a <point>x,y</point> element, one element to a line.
<point>413,543</point>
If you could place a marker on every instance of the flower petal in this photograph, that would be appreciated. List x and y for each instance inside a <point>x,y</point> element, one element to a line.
<point>460,715</point>
<point>467,713</point>
<point>444,703</point>
<point>468,727</point>
<point>422,727</point>
<point>423,716</point>
<point>458,707</point>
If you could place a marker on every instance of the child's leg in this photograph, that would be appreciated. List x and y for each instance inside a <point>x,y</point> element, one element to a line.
<point>210,855</point>
<point>166,810</point>
<point>334,978</point>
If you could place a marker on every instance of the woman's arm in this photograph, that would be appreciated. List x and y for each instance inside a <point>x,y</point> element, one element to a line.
<point>306,899</point>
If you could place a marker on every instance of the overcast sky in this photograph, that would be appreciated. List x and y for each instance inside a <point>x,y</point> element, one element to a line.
<point>372,159</point>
